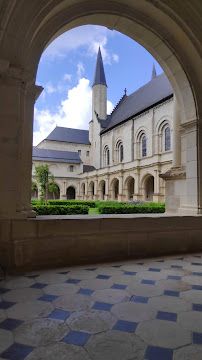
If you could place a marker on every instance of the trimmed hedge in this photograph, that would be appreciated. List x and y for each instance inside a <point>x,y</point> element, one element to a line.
<point>60,210</point>
<point>128,209</point>
<point>72,202</point>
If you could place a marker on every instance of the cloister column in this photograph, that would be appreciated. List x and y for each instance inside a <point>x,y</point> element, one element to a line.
<point>86,190</point>
<point>156,196</point>
<point>106,197</point>
<point>137,195</point>
<point>176,135</point>
<point>16,112</point>
<point>120,194</point>
<point>63,194</point>
<point>78,192</point>
<point>95,189</point>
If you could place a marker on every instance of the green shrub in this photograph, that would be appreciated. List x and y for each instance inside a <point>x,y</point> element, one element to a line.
<point>128,209</point>
<point>35,201</point>
<point>72,202</point>
<point>60,210</point>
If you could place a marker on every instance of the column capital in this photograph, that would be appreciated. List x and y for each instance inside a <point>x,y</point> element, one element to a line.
<point>174,173</point>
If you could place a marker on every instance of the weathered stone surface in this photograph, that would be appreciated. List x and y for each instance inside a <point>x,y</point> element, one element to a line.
<point>115,345</point>
<point>61,289</point>
<point>169,304</point>
<point>131,311</point>
<point>91,322</point>
<point>2,315</point>
<point>30,310</point>
<point>191,320</point>
<point>108,270</point>
<point>134,267</point>
<point>17,283</point>
<point>73,302</point>
<point>40,332</point>
<point>59,351</point>
<point>21,295</point>
<point>144,290</point>
<point>151,275</point>
<point>193,280</point>
<point>112,296</point>
<point>191,352</point>
<point>123,279</point>
<point>6,339</point>
<point>96,284</point>
<point>81,274</point>
<point>51,278</point>
<point>163,334</point>
<point>194,296</point>
<point>175,285</point>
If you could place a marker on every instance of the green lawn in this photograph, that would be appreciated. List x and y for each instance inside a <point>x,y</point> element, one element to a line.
<point>93,211</point>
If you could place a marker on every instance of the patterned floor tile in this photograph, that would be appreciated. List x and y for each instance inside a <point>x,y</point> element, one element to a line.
<point>155,270</point>
<point>171,277</point>
<point>130,273</point>
<point>127,326</point>
<point>85,292</point>
<point>150,282</point>
<point>10,324</point>
<point>118,287</point>
<point>158,353</point>
<point>73,281</point>
<point>3,291</point>
<point>17,352</point>
<point>176,267</point>
<point>38,286</point>
<point>105,277</point>
<point>59,315</point>
<point>171,293</point>
<point>76,338</point>
<point>48,298</point>
<point>102,306</point>
<point>196,307</point>
<point>6,304</point>
<point>140,299</point>
<point>162,315</point>
<point>197,338</point>
<point>196,287</point>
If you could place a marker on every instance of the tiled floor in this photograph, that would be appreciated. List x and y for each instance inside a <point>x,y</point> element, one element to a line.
<point>134,310</point>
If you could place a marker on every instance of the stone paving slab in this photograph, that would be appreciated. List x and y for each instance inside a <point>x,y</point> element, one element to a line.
<point>146,309</point>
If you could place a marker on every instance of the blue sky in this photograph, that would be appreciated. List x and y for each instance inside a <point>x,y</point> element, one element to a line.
<point>66,71</point>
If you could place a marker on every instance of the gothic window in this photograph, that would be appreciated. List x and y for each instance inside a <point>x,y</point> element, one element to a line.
<point>121,152</point>
<point>71,168</point>
<point>107,157</point>
<point>79,152</point>
<point>167,139</point>
<point>144,146</point>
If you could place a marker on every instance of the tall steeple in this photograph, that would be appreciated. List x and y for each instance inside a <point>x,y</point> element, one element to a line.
<point>153,72</point>
<point>99,77</point>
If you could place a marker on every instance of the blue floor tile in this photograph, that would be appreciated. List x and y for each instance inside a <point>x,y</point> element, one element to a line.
<point>10,324</point>
<point>196,287</point>
<point>85,292</point>
<point>197,338</point>
<point>102,277</point>
<point>140,299</point>
<point>6,304</point>
<point>47,297</point>
<point>196,307</point>
<point>59,315</point>
<point>38,286</point>
<point>197,264</point>
<point>118,287</point>
<point>72,281</point>
<point>140,263</point>
<point>172,277</point>
<point>116,266</point>
<point>17,352</point>
<point>130,273</point>
<point>155,270</point>
<point>171,293</point>
<point>102,306</point>
<point>32,276</point>
<point>148,282</point>
<point>176,267</point>
<point>127,326</point>
<point>197,273</point>
<point>76,338</point>
<point>3,291</point>
<point>92,269</point>
<point>166,316</point>
<point>179,258</point>
<point>158,353</point>
<point>63,272</point>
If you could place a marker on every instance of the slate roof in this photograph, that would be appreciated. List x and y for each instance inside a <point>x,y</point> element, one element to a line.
<point>87,168</point>
<point>56,156</point>
<point>76,136</point>
<point>99,77</point>
<point>154,92</point>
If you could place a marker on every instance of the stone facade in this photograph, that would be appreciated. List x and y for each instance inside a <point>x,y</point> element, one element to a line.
<point>124,177</point>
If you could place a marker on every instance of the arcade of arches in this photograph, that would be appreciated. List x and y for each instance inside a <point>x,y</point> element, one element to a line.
<point>169,31</point>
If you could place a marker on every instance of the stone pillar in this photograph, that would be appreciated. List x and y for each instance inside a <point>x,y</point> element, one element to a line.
<point>86,190</point>
<point>176,135</point>
<point>16,112</point>
<point>95,189</point>
<point>106,188</point>
<point>63,192</point>
<point>120,195</point>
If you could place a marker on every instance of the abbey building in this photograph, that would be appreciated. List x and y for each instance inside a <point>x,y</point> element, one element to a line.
<point>122,154</point>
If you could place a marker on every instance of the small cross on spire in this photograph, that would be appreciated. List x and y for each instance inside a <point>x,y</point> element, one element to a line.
<point>125,91</point>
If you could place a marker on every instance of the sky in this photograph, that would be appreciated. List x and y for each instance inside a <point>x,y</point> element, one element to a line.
<point>66,72</point>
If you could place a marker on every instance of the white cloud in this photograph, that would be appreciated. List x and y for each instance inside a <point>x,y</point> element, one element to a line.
<point>67,77</point>
<point>49,88</point>
<point>89,36</point>
<point>80,69</point>
<point>74,112</point>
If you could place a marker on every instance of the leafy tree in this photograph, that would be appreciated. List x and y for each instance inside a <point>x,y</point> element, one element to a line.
<point>53,188</point>
<point>34,188</point>
<point>43,173</point>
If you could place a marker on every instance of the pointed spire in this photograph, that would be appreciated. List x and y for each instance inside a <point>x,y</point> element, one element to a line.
<point>99,77</point>
<point>153,72</point>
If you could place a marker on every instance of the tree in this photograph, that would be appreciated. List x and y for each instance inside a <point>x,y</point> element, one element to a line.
<point>34,188</point>
<point>43,173</point>
<point>53,188</point>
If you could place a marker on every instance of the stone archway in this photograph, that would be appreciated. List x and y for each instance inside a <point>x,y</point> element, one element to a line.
<point>115,189</point>
<point>102,190</point>
<point>149,188</point>
<point>83,191</point>
<point>91,190</point>
<point>34,193</point>
<point>54,195</point>
<point>130,188</point>
<point>158,26</point>
<point>71,193</point>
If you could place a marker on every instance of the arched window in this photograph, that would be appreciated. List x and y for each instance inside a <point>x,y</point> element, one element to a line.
<point>71,168</point>
<point>167,139</point>
<point>107,156</point>
<point>144,146</point>
<point>121,152</point>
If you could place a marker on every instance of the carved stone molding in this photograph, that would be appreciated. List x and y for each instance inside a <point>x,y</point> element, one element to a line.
<point>174,174</point>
